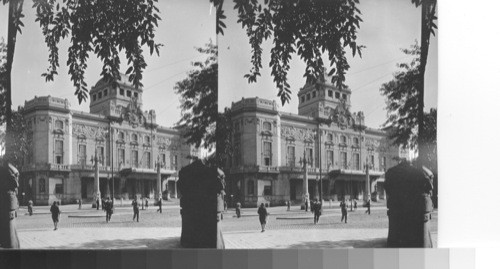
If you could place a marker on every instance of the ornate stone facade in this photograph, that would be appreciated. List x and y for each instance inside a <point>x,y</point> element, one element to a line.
<point>270,148</point>
<point>127,141</point>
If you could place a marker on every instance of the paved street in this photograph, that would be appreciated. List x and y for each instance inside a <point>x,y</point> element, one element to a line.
<point>87,228</point>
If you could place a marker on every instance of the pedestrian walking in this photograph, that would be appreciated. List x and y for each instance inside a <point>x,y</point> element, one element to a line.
<point>238,209</point>
<point>30,207</point>
<point>343,209</point>
<point>147,203</point>
<point>97,203</point>
<point>160,201</point>
<point>135,206</point>
<point>262,211</point>
<point>317,210</point>
<point>368,206</point>
<point>79,203</point>
<point>307,205</point>
<point>355,204</point>
<point>54,209</point>
<point>109,209</point>
<point>288,204</point>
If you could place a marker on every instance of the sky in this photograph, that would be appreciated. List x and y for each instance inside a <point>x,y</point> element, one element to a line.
<point>185,25</point>
<point>388,26</point>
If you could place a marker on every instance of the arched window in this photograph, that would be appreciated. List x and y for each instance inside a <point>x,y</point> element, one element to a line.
<point>250,187</point>
<point>267,126</point>
<point>134,138</point>
<point>121,136</point>
<point>343,139</point>
<point>147,140</point>
<point>329,137</point>
<point>355,141</point>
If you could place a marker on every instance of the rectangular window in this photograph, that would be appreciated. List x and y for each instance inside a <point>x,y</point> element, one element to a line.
<point>129,93</point>
<point>106,92</point>
<point>175,162</point>
<point>314,94</point>
<point>267,152</point>
<point>337,95</point>
<point>100,155</point>
<point>163,159</point>
<point>344,96</point>
<point>99,94</point>
<point>268,190</point>
<point>135,158</point>
<point>383,162</point>
<point>122,92</point>
<point>136,95</point>
<point>59,188</point>
<point>329,158</point>
<point>82,154</point>
<point>343,158</point>
<point>121,156</point>
<point>330,93</point>
<point>58,153</point>
<point>94,97</point>
<point>308,96</point>
<point>310,158</point>
<point>291,156</point>
<point>356,160</point>
<point>372,161</point>
<point>303,99</point>
<point>148,160</point>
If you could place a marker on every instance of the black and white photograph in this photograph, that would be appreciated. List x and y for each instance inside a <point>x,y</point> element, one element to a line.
<point>101,112</point>
<point>322,103</point>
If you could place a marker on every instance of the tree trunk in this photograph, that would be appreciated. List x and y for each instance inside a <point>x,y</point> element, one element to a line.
<point>428,10</point>
<point>15,10</point>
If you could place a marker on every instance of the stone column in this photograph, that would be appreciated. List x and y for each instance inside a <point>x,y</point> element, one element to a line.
<point>97,192</point>
<point>158,179</point>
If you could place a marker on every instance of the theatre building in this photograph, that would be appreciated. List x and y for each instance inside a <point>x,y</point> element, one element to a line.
<point>272,150</point>
<point>125,141</point>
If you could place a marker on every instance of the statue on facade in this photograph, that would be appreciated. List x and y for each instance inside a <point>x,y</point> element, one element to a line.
<point>9,182</point>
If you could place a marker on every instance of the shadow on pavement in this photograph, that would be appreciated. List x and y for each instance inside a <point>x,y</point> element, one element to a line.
<point>371,243</point>
<point>150,243</point>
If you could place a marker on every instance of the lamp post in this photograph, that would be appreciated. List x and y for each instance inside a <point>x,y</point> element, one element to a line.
<point>158,179</point>
<point>97,193</point>
<point>305,196</point>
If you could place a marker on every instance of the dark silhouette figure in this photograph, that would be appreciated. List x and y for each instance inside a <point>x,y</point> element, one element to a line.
<point>79,203</point>
<point>109,209</point>
<point>135,206</point>
<point>160,201</point>
<point>9,182</point>
<point>317,209</point>
<point>238,209</point>
<point>343,209</point>
<point>262,211</point>
<point>202,203</point>
<point>409,204</point>
<point>30,207</point>
<point>54,209</point>
<point>368,206</point>
<point>288,204</point>
<point>97,203</point>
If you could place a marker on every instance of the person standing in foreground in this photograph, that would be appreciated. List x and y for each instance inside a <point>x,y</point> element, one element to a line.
<point>135,206</point>
<point>54,209</point>
<point>109,209</point>
<point>238,209</point>
<point>262,216</point>
<point>317,209</point>
<point>368,205</point>
<point>160,200</point>
<point>97,203</point>
<point>343,208</point>
<point>30,207</point>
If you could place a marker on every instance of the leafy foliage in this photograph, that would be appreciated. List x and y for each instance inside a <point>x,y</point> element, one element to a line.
<point>3,74</point>
<point>199,99</point>
<point>402,109</point>
<point>220,25</point>
<point>402,100</point>
<point>19,141</point>
<point>105,27</point>
<point>306,27</point>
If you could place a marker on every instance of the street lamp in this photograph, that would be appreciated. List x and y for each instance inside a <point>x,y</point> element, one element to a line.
<point>304,162</point>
